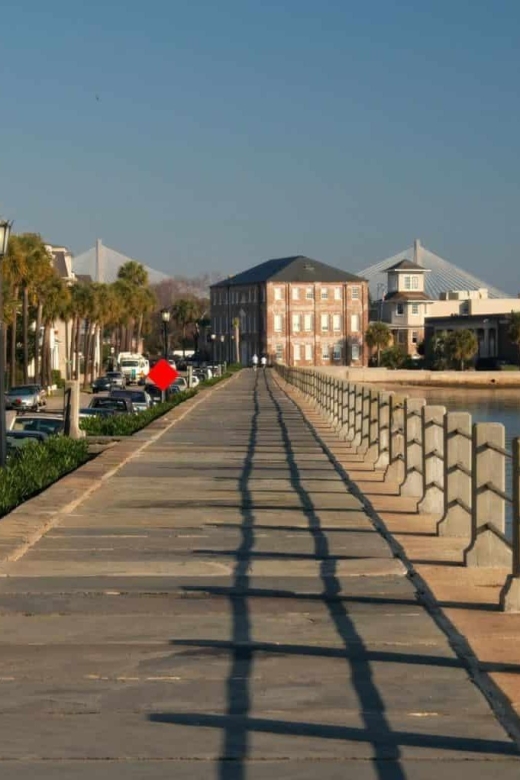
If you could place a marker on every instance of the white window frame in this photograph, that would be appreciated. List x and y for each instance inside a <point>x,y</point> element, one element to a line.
<point>355,323</point>
<point>336,323</point>
<point>309,293</point>
<point>279,351</point>
<point>407,282</point>
<point>324,320</point>
<point>278,294</point>
<point>415,282</point>
<point>296,293</point>
<point>296,323</point>
<point>324,293</point>
<point>415,337</point>
<point>308,352</point>
<point>355,292</point>
<point>337,351</point>
<point>415,308</point>
<point>354,351</point>
<point>278,323</point>
<point>307,323</point>
<point>337,294</point>
<point>297,352</point>
<point>325,351</point>
<point>397,307</point>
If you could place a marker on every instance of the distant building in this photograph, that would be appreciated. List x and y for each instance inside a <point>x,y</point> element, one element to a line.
<point>294,310</point>
<point>405,305</point>
<point>491,331</point>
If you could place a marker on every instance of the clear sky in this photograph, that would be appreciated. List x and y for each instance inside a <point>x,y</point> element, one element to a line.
<point>198,135</point>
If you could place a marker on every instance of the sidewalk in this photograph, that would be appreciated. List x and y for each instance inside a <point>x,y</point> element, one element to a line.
<point>223,607</point>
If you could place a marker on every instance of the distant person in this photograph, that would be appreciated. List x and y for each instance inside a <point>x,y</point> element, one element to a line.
<point>255,361</point>
<point>263,361</point>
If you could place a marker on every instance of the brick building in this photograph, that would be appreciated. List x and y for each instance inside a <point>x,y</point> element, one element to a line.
<point>294,310</point>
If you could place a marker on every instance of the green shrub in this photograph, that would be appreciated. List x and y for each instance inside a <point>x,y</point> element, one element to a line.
<point>56,378</point>
<point>127,424</point>
<point>36,466</point>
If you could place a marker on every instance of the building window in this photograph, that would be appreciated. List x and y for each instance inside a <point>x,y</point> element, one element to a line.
<point>279,351</point>
<point>296,293</point>
<point>309,293</point>
<point>296,323</point>
<point>278,323</point>
<point>296,352</point>
<point>415,282</point>
<point>325,352</point>
<point>307,322</point>
<point>354,351</point>
<point>325,322</point>
<point>336,352</point>
<point>278,293</point>
<point>407,283</point>
<point>415,337</point>
<point>308,352</point>
<point>415,308</point>
<point>324,293</point>
<point>354,322</point>
<point>355,292</point>
<point>399,309</point>
<point>337,293</point>
<point>336,322</point>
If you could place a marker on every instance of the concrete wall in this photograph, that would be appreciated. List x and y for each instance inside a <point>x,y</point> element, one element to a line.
<point>430,378</point>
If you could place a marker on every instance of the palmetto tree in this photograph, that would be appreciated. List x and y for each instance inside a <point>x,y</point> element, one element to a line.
<point>462,345</point>
<point>55,299</point>
<point>378,337</point>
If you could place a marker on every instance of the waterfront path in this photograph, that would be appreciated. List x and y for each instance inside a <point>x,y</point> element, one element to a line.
<point>223,607</point>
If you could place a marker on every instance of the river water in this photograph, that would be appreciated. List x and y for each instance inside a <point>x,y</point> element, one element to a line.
<point>502,406</point>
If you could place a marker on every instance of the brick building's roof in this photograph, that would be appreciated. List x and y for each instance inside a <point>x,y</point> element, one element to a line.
<point>290,269</point>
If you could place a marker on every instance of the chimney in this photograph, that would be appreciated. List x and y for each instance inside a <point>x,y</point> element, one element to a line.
<point>417,251</point>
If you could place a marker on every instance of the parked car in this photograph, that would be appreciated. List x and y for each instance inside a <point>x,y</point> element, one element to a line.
<point>25,397</point>
<point>154,392</point>
<point>140,399</point>
<point>97,412</point>
<point>102,383</point>
<point>50,424</point>
<point>117,378</point>
<point>181,383</point>
<point>117,405</point>
<point>16,440</point>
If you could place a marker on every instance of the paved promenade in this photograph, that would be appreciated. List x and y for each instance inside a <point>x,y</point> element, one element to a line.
<point>222,607</point>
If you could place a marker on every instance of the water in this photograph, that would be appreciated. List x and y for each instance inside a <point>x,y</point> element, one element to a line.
<point>501,406</point>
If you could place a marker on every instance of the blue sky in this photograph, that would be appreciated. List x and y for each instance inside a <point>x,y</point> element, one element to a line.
<point>203,136</point>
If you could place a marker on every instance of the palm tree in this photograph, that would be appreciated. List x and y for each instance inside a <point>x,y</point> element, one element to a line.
<point>378,336</point>
<point>134,273</point>
<point>15,274</point>
<point>185,312</point>
<point>462,346</point>
<point>55,295</point>
<point>514,328</point>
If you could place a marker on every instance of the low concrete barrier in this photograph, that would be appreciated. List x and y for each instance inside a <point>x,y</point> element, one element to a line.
<point>455,469</point>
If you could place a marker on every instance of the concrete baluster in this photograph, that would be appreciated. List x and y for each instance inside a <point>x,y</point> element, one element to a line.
<point>372,452</point>
<point>456,520</point>
<point>365,421</point>
<point>337,404</point>
<point>344,410</point>
<point>351,411</point>
<point>510,596</point>
<point>433,460</point>
<point>489,546</point>
<point>413,448</point>
<point>358,415</point>
<point>383,430</point>
<point>395,470</point>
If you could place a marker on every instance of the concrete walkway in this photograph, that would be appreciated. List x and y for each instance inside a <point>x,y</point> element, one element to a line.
<point>222,607</point>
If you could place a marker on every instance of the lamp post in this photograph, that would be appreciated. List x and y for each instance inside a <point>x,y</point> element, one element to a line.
<point>5,231</point>
<point>222,340</point>
<point>165,317</point>
<point>214,343</point>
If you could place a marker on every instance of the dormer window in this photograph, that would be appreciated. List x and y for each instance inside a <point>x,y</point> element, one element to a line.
<point>415,282</point>
<point>407,283</point>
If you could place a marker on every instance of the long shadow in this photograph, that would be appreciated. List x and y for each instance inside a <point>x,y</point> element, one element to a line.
<point>378,730</point>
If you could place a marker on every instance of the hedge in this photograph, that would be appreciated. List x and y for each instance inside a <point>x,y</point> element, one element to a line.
<point>36,466</point>
<point>127,424</point>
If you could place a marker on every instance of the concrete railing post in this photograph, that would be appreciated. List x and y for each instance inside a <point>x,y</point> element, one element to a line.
<point>73,391</point>
<point>395,470</point>
<point>510,596</point>
<point>383,430</point>
<point>433,460</point>
<point>351,411</point>
<point>365,421</point>
<point>343,409</point>
<point>456,520</point>
<point>372,452</point>
<point>413,448</point>
<point>358,415</point>
<point>489,546</point>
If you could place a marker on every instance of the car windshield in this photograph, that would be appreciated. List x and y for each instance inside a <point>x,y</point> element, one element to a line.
<point>134,395</point>
<point>108,403</point>
<point>23,390</point>
<point>112,375</point>
<point>129,363</point>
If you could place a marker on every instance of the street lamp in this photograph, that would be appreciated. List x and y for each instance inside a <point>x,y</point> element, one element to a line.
<point>5,232</point>
<point>165,317</point>
<point>213,338</point>
<point>222,340</point>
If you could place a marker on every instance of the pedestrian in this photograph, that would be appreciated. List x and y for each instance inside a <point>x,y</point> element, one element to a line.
<point>263,361</point>
<point>255,361</point>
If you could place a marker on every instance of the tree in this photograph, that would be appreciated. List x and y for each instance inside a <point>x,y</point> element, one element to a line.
<point>378,337</point>
<point>514,329</point>
<point>462,345</point>
<point>236,336</point>
<point>393,357</point>
<point>185,313</point>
